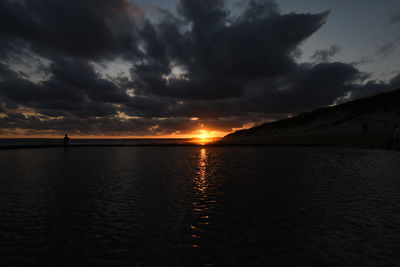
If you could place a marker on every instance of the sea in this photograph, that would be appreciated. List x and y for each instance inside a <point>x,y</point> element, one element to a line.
<point>47,142</point>
<point>199,206</point>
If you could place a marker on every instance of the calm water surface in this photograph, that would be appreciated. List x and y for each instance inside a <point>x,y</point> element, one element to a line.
<point>199,206</point>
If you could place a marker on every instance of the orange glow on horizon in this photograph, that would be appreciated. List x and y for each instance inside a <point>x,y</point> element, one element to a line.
<point>202,135</point>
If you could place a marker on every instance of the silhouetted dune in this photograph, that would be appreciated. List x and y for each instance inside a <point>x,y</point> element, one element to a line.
<point>368,122</point>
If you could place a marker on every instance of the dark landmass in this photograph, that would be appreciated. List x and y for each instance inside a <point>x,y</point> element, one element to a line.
<point>364,123</point>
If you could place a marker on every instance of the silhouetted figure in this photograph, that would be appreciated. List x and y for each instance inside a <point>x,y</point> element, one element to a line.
<point>396,138</point>
<point>66,140</point>
<point>365,127</point>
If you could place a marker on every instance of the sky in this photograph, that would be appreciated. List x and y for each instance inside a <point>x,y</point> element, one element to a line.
<point>183,68</point>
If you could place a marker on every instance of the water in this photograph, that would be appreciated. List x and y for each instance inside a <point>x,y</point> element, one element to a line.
<point>25,142</point>
<point>199,206</point>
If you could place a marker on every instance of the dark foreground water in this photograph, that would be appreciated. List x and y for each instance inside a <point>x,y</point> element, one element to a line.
<point>199,206</point>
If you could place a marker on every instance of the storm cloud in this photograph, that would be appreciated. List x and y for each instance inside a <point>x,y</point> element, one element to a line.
<point>198,67</point>
<point>325,55</point>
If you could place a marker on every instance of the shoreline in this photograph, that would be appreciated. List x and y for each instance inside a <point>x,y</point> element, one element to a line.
<point>156,145</point>
<point>378,141</point>
<point>19,147</point>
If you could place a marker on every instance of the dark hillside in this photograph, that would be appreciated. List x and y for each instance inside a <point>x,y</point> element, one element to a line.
<point>365,122</point>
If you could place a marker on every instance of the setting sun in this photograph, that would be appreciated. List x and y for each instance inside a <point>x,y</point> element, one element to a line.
<point>204,136</point>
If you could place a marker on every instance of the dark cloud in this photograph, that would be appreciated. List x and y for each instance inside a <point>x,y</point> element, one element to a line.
<point>225,70</point>
<point>102,126</point>
<point>387,49</point>
<point>203,13</point>
<point>307,87</point>
<point>394,19</point>
<point>313,86</point>
<point>219,60</point>
<point>73,87</point>
<point>391,46</point>
<point>326,55</point>
<point>88,29</point>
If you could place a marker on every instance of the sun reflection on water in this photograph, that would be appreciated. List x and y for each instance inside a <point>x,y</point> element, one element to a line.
<point>200,181</point>
<point>200,203</point>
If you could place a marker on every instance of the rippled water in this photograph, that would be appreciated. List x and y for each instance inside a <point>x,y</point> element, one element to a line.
<point>199,206</point>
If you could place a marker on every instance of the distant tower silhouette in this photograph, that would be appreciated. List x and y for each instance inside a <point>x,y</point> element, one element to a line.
<point>66,140</point>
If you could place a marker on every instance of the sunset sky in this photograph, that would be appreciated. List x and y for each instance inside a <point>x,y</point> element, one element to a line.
<point>183,68</point>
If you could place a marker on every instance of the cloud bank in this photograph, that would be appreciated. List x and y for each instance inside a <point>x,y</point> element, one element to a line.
<point>100,67</point>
